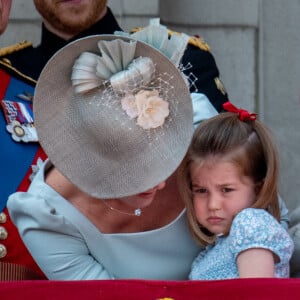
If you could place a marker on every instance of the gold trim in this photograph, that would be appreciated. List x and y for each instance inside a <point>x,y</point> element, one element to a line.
<point>9,66</point>
<point>136,29</point>
<point>13,48</point>
<point>9,271</point>
<point>220,85</point>
<point>199,42</point>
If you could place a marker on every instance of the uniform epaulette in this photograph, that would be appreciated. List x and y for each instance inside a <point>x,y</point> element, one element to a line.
<point>199,42</point>
<point>6,63</point>
<point>14,48</point>
<point>193,40</point>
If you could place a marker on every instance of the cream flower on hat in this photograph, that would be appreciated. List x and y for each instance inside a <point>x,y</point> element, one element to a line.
<point>149,108</point>
<point>152,110</point>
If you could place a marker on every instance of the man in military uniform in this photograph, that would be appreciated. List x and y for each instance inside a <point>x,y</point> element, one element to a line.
<point>15,159</point>
<point>20,67</point>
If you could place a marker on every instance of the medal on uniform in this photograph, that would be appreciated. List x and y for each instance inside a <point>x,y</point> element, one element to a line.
<point>19,119</point>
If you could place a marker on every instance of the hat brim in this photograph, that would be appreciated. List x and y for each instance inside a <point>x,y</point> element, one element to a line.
<point>78,145</point>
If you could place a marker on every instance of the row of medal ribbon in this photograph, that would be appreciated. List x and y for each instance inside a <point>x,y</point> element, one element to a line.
<point>19,120</point>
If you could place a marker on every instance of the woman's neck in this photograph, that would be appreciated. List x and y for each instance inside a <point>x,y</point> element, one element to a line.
<point>165,207</point>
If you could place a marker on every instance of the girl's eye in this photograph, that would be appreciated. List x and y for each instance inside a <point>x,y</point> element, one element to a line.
<point>226,190</point>
<point>199,190</point>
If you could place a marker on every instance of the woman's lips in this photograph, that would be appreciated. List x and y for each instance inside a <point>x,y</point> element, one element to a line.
<point>147,194</point>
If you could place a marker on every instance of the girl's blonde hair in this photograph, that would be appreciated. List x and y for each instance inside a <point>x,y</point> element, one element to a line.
<point>249,145</point>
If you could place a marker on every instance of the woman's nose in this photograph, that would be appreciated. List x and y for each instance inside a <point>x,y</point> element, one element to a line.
<point>160,186</point>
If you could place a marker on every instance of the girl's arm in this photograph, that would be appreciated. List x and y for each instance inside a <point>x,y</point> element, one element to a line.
<point>256,262</point>
<point>260,245</point>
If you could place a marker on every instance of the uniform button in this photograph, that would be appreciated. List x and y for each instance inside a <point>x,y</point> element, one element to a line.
<point>3,217</point>
<point>3,251</point>
<point>3,233</point>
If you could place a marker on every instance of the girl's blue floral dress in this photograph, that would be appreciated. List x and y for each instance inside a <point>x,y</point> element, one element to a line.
<point>251,228</point>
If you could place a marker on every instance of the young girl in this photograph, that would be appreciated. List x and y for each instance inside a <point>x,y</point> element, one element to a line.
<point>230,189</point>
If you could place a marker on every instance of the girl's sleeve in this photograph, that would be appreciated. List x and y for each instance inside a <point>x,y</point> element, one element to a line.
<point>256,228</point>
<point>55,244</point>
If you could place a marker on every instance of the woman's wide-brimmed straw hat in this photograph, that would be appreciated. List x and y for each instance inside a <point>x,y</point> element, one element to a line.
<point>113,114</point>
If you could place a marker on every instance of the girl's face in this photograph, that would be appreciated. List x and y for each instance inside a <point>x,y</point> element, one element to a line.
<point>220,191</point>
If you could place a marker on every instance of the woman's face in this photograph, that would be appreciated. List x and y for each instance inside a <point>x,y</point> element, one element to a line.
<point>143,199</point>
<point>220,191</point>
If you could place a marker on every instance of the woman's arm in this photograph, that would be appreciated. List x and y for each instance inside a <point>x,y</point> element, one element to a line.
<point>56,245</point>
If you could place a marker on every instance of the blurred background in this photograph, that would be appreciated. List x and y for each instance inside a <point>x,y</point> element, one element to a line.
<point>256,45</point>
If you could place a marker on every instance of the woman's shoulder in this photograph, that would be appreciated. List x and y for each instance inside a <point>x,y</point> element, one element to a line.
<point>39,204</point>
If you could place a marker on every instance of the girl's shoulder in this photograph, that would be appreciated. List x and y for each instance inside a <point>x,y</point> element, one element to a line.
<point>256,228</point>
<point>252,222</point>
<point>249,215</point>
